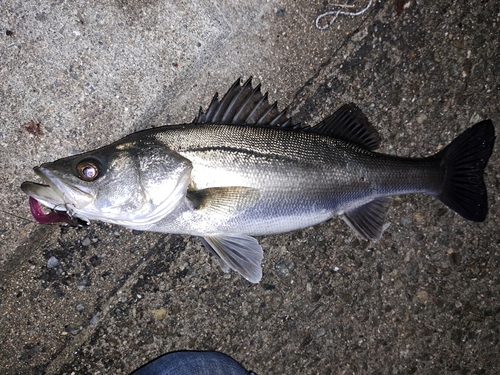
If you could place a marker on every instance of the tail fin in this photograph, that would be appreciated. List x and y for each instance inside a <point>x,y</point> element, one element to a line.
<point>465,158</point>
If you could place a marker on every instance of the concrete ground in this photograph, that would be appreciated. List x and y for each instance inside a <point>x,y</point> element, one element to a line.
<point>76,75</point>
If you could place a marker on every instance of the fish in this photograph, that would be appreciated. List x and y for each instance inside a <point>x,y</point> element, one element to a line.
<point>243,168</point>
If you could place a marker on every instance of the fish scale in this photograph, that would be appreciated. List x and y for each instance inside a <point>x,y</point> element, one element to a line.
<point>272,158</point>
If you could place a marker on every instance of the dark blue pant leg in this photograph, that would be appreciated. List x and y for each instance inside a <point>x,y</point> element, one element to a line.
<point>193,363</point>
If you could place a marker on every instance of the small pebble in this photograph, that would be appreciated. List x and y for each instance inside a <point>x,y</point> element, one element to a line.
<point>80,307</point>
<point>53,262</point>
<point>422,296</point>
<point>159,314</point>
<point>419,218</point>
<point>405,221</point>
<point>321,332</point>
<point>86,241</point>
<point>280,13</point>
<point>421,118</point>
<point>82,284</point>
<point>283,269</point>
<point>95,319</point>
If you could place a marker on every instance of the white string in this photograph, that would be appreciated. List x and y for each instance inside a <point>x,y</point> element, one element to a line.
<point>338,13</point>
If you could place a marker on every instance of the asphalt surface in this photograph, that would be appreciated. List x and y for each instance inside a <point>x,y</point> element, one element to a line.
<point>76,75</point>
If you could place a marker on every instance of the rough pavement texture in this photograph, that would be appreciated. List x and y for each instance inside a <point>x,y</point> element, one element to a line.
<point>75,75</point>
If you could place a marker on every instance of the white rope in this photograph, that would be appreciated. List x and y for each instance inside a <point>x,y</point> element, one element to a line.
<point>339,12</point>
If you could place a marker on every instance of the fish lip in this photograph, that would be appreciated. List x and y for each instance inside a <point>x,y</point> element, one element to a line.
<point>32,189</point>
<point>68,194</point>
<point>49,179</point>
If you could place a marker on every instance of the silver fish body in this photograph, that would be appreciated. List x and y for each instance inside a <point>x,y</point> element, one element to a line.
<point>282,180</point>
<point>243,169</point>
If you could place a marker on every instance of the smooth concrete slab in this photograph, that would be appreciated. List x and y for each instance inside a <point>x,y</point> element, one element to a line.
<point>76,75</point>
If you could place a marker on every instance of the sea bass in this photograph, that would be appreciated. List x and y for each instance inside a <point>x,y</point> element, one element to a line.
<point>243,169</point>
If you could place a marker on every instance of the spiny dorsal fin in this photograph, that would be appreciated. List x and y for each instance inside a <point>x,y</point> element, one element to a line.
<point>242,105</point>
<point>349,124</point>
<point>245,105</point>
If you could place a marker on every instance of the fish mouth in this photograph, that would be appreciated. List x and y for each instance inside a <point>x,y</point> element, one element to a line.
<point>58,196</point>
<point>52,217</point>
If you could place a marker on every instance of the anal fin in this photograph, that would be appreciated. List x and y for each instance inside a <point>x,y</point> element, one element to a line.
<point>241,253</point>
<point>368,220</point>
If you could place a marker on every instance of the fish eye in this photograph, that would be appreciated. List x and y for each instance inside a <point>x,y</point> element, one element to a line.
<point>88,170</point>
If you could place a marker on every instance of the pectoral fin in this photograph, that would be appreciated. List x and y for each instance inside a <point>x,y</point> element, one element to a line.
<point>368,220</point>
<point>223,201</point>
<point>242,253</point>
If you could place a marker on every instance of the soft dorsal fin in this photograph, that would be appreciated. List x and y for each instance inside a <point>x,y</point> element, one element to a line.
<point>242,105</point>
<point>349,124</point>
